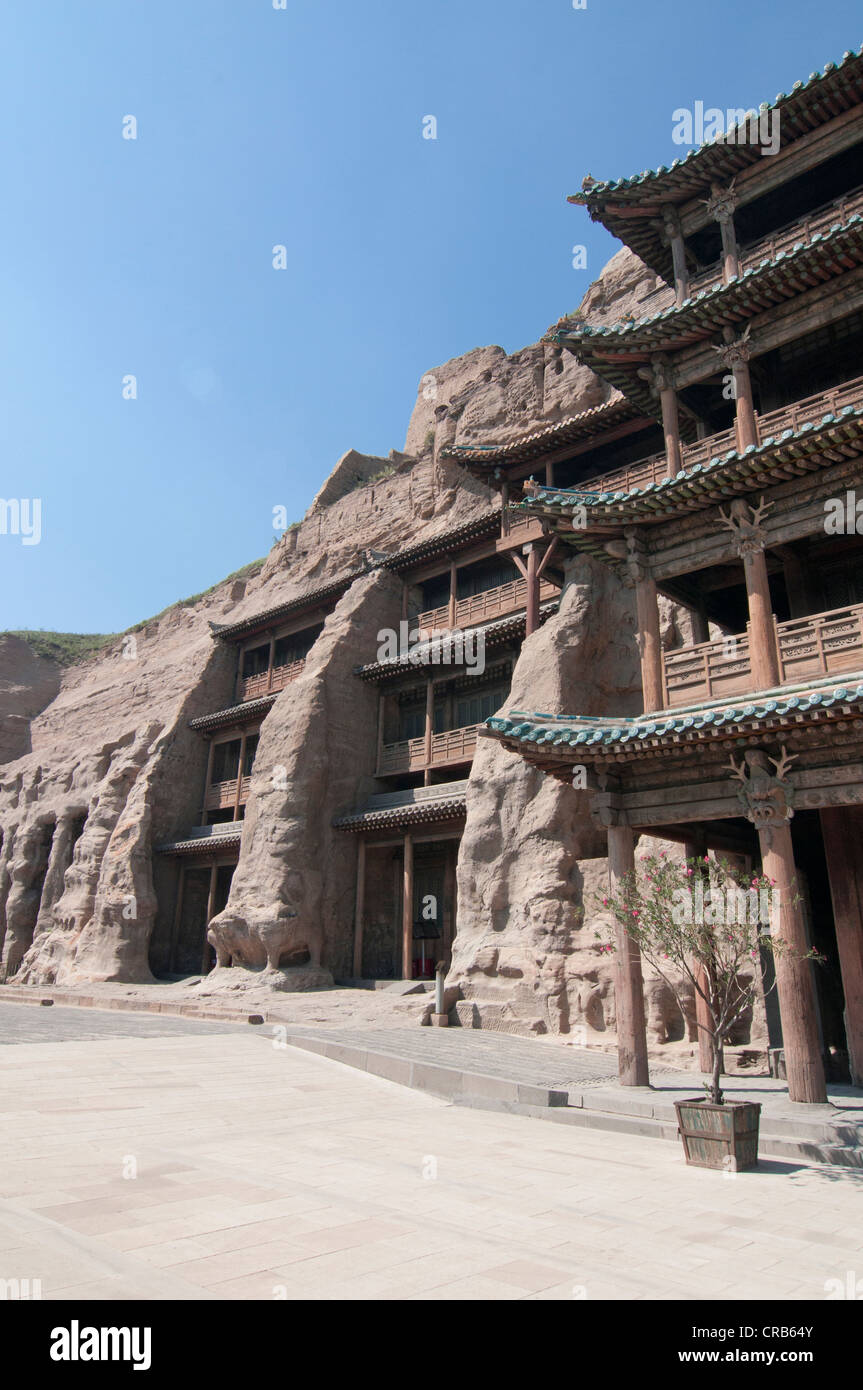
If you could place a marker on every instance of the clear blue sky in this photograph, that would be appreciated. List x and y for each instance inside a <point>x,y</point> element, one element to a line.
<point>300,127</point>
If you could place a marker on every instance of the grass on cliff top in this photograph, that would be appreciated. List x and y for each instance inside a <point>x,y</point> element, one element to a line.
<point>67,648</point>
<point>247,572</point>
<point>63,648</point>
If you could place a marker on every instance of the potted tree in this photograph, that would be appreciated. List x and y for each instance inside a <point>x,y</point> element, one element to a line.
<point>701,923</point>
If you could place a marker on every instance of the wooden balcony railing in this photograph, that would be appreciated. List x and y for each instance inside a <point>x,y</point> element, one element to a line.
<point>767,248</point>
<point>819,645</point>
<point>222,796</point>
<point>482,608</point>
<point>409,755</point>
<point>768,426</point>
<point>253,687</point>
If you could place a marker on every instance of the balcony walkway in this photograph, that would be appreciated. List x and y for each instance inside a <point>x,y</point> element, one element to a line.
<point>409,755</point>
<point>821,645</point>
<point>771,425</point>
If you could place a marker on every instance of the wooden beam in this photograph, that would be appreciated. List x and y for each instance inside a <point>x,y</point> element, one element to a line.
<point>408,908</point>
<point>359,909</point>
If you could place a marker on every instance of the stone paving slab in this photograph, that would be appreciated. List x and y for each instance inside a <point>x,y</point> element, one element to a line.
<point>579,1086</point>
<point>272,1173</point>
<point>58,1024</point>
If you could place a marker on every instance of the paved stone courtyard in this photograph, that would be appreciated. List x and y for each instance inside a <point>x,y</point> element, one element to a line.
<point>266,1172</point>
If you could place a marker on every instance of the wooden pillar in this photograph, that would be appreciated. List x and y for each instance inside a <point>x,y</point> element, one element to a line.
<point>239,796</point>
<point>842,827</point>
<point>671,429</point>
<point>449,899</point>
<point>649,643</point>
<point>271,661</point>
<point>429,730</point>
<point>175,925</point>
<point>359,909</point>
<point>453,591</point>
<point>504,503</point>
<point>746,424</point>
<point>794,984</point>
<point>730,253</point>
<point>211,912</point>
<point>532,613</point>
<point>700,624</point>
<point>405,591</point>
<point>382,700</point>
<point>408,909</point>
<point>763,652</point>
<point>674,237</point>
<point>628,988</point>
<point>549,474</point>
<point>207,779</point>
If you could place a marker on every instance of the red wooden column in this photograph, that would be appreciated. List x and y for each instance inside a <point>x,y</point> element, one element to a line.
<point>359,909</point>
<point>721,206</point>
<point>429,730</point>
<point>408,909</point>
<point>763,648</point>
<point>532,616</point>
<point>842,827</point>
<point>239,796</point>
<point>647,617</point>
<point>453,592</point>
<point>628,987</point>
<point>794,984</point>
<point>211,904</point>
<point>735,356</point>
<point>209,774</point>
<point>674,238</point>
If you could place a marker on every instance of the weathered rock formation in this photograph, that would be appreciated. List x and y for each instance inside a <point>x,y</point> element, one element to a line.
<point>101,765</point>
<point>292,896</point>
<point>27,684</point>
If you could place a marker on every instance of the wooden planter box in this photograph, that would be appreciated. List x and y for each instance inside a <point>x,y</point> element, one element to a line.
<point>719,1136</point>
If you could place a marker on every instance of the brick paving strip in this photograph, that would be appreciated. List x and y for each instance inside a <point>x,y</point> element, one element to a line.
<point>268,1172</point>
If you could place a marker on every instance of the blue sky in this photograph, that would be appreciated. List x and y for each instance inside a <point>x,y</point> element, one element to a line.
<point>301,127</point>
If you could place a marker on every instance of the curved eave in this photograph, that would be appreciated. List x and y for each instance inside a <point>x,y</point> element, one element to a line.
<point>432,654</point>
<point>825,95</point>
<point>616,353</point>
<point>234,714</point>
<point>575,428</point>
<point>397,818</point>
<point>570,740</point>
<point>820,444</point>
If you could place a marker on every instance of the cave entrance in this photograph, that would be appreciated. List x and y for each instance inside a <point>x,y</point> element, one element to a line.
<point>202,893</point>
<point>418,872</point>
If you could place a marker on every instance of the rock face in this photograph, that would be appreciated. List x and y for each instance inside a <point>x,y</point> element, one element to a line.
<point>101,765</point>
<point>487,397</point>
<point>532,868</point>
<point>530,856</point>
<point>27,684</point>
<point>292,895</point>
<point>114,769</point>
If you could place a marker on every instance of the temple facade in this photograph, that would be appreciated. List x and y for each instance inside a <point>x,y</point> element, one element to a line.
<point>750,362</point>
<point>643,533</point>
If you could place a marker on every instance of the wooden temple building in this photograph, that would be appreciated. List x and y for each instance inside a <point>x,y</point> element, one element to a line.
<point>724,470</point>
<point>749,366</point>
